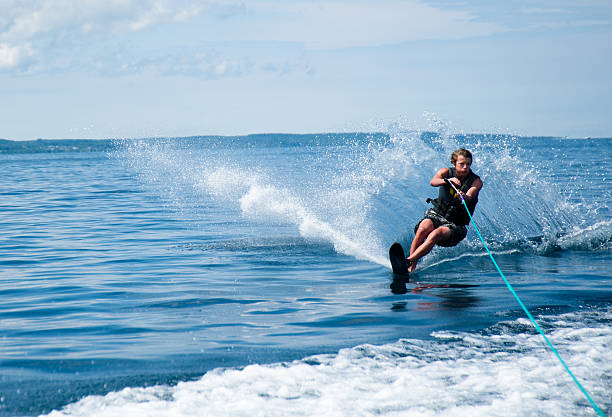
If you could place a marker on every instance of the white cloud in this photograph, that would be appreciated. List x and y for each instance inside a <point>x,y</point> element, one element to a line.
<point>193,63</point>
<point>26,26</point>
<point>164,12</point>
<point>336,24</point>
<point>13,56</point>
<point>544,11</point>
<point>323,24</point>
<point>39,34</point>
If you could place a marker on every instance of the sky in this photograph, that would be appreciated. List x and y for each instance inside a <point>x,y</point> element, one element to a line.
<point>143,68</point>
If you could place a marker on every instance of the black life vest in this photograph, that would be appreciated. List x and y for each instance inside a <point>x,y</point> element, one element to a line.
<point>450,207</point>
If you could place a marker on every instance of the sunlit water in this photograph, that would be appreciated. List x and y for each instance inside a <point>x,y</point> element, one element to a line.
<point>248,276</point>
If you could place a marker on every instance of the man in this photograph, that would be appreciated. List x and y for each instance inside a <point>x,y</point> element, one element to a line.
<point>445,223</point>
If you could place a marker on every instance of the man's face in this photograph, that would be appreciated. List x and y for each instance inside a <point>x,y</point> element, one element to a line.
<point>462,166</point>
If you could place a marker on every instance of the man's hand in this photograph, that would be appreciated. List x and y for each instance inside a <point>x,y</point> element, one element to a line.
<point>457,185</point>
<point>455,181</point>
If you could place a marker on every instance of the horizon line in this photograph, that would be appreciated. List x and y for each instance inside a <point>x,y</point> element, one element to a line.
<point>310,134</point>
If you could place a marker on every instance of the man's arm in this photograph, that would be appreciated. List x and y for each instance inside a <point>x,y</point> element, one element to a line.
<point>438,179</point>
<point>474,190</point>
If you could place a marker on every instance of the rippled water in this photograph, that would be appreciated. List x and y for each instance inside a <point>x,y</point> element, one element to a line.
<point>169,265</point>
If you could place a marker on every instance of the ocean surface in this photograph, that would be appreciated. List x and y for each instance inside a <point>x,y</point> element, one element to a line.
<point>248,276</point>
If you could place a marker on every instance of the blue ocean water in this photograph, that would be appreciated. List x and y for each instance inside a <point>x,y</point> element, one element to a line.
<point>248,276</point>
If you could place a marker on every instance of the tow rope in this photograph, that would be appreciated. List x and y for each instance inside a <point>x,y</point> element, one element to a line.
<point>584,391</point>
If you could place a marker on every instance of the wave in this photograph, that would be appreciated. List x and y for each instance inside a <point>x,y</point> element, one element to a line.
<point>362,192</point>
<point>318,213</point>
<point>591,238</point>
<point>504,370</point>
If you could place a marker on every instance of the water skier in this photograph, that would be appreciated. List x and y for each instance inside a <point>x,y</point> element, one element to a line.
<point>445,223</point>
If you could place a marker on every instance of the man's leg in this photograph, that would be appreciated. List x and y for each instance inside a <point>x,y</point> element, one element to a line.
<point>441,233</point>
<point>426,226</point>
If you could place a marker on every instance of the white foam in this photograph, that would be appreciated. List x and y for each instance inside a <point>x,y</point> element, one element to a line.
<point>508,372</point>
<point>597,236</point>
<point>333,209</point>
<point>269,201</point>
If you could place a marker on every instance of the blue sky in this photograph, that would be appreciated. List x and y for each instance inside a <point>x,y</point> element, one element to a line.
<point>123,68</point>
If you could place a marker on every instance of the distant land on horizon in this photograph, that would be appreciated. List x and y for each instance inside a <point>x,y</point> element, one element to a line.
<point>40,145</point>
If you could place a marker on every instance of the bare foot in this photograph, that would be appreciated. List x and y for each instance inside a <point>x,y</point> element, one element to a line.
<point>411,265</point>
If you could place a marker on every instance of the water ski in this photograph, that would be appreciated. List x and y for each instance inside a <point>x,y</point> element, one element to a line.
<point>398,259</point>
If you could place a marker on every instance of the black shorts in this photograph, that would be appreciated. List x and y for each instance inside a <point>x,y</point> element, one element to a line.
<point>458,233</point>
